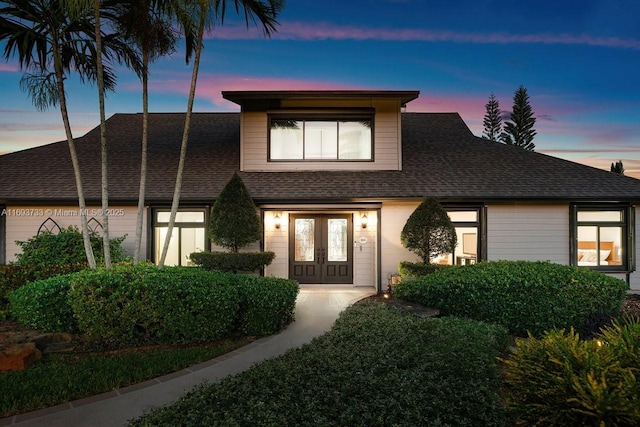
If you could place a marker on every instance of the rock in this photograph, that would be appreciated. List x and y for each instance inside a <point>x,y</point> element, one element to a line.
<point>18,357</point>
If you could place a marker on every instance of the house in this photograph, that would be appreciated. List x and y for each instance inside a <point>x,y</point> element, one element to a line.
<point>335,175</point>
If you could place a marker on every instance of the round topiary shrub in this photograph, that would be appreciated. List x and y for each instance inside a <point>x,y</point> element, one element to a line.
<point>523,296</point>
<point>44,304</point>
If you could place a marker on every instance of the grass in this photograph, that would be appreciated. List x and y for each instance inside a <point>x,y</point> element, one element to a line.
<point>59,378</point>
<point>377,366</point>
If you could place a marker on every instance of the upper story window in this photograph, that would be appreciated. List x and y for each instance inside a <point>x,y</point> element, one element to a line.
<point>603,237</point>
<point>320,138</point>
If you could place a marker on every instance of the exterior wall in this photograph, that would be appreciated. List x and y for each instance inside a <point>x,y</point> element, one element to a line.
<point>528,232</point>
<point>393,218</point>
<point>634,278</point>
<point>26,221</point>
<point>387,151</point>
<point>277,240</point>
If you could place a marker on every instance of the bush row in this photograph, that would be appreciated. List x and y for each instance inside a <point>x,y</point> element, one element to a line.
<point>232,261</point>
<point>13,276</point>
<point>523,296</point>
<point>139,305</point>
<point>417,269</point>
<point>377,366</point>
<point>561,380</point>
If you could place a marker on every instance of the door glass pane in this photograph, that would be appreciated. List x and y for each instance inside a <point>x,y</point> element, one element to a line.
<point>304,239</point>
<point>191,240</point>
<point>337,235</point>
<point>173,253</point>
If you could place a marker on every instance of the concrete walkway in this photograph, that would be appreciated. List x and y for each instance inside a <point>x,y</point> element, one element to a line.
<point>317,308</point>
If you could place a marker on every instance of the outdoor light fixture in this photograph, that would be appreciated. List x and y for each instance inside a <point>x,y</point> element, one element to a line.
<point>276,221</point>
<point>364,221</point>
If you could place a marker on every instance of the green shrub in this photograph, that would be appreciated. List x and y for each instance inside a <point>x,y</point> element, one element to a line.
<point>44,304</point>
<point>65,248</point>
<point>13,276</point>
<point>232,261</point>
<point>429,231</point>
<point>417,269</point>
<point>562,380</point>
<point>521,295</point>
<point>137,305</point>
<point>267,304</point>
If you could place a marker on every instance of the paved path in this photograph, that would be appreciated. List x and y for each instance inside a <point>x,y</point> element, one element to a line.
<point>317,308</point>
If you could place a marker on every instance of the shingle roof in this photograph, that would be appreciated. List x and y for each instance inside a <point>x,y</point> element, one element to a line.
<point>441,158</point>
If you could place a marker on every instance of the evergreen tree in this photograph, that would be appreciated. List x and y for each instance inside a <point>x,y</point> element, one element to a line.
<point>429,232</point>
<point>234,218</point>
<point>519,131</point>
<point>617,167</point>
<point>492,120</point>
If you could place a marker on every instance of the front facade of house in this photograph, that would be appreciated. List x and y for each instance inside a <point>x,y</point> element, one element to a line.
<point>335,175</point>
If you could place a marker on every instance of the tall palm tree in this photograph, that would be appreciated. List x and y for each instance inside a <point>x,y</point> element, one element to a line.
<point>132,59</point>
<point>49,44</point>
<point>148,24</point>
<point>209,13</point>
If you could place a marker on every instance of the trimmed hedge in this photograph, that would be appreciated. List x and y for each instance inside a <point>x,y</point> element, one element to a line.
<point>14,276</point>
<point>139,305</point>
<point>232,261</point>
<point>267,304</point>
<point>409,269</point>
<point>45,305</point>
<point>377,366</point>
<point>523,296</point>
<point>564,381</point>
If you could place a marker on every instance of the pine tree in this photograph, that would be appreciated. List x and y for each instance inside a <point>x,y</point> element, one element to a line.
<point>492,120</point>
<point>519,131</point>
<point>617,167</point>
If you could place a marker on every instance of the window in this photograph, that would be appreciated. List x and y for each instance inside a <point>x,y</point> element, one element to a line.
<point>468,250</point>
<point>188,235</point>
<point>320,138</point>
<point>602,237</point>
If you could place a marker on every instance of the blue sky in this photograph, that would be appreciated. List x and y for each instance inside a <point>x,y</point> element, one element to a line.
<point>579,60</point>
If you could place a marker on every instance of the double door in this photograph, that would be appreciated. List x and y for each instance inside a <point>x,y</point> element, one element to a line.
<point>320,248</point>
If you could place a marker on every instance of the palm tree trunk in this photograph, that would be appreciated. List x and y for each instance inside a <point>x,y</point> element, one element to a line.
<point>74,157</point>
<point>143,162</point>
<point>185,138</point>
<point>103,138</point>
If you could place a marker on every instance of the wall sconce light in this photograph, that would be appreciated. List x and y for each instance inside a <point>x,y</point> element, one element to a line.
<point>364,221</point>
<point>276,221</point>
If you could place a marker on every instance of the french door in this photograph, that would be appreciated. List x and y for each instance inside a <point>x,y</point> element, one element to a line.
<point>320,248</point>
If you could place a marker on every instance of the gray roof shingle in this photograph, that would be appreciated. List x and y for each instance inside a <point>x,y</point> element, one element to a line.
<point>441,158</point>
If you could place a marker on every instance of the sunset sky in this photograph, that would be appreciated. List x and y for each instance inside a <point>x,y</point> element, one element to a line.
<point>578,59</point>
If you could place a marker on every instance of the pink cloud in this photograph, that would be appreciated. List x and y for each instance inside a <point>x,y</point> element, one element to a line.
<point>9,68</point>
<point>327,31</point>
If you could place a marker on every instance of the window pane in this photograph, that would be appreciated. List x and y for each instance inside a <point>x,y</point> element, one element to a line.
<point>173,253</point>
<point>611,243</point>
<point>191,240</point>
<point>463,216</point>
<point>197,216</point>
<point>599,246</point>
<point>337,235</point>
<point>304,239</point>
<point>320,140</point>
<point>286,140</point>
<point>599,216</point>
<point>355,140</point>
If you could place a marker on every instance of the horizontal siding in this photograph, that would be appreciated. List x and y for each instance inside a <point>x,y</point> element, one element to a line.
<point>394,217</point>
<point>634,278</point>
<point>23,227</point>
<point>528,232</point>
<point>386,141</point>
